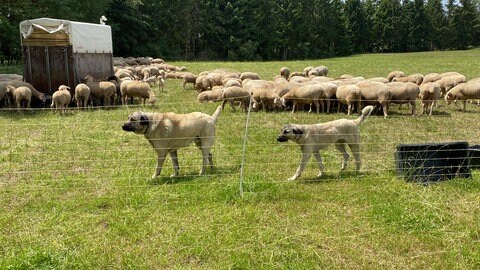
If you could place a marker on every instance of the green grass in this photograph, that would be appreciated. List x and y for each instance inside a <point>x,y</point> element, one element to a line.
<point>75,191</point>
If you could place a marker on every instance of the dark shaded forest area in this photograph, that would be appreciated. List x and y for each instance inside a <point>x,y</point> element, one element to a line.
<point>245,30</point>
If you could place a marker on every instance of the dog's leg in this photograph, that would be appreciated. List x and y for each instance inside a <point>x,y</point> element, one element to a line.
<point>319,161</point>
<point>355,147</point>
<point>342,149</point>
<point>161,154</point>
<point>174,157</point>
<point>301,167</point>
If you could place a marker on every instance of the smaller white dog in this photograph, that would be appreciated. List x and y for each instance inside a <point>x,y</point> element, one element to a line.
<point>313,138</point>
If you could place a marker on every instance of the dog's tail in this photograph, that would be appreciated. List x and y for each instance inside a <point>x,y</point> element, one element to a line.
<point>365,113</point>
<point>216,113</point>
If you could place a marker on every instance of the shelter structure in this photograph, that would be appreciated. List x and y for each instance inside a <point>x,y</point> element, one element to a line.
<point>57,52</point>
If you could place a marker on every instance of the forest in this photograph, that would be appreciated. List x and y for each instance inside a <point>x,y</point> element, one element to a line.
<point>260,30</point>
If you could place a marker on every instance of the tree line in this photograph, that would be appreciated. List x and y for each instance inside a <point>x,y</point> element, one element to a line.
<point>260,30</point>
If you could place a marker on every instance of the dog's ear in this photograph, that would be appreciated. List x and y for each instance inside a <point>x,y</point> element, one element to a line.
<point>297,131</point>
<point>144,120</point>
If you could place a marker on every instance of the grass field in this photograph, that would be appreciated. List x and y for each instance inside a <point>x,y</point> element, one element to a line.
<point>75,190</point>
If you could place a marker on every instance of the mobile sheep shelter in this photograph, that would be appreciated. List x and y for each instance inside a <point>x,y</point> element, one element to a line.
<point>57,52</point>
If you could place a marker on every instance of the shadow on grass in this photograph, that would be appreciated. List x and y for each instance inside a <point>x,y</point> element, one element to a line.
<point>331,177</point>
<point>193,175</point>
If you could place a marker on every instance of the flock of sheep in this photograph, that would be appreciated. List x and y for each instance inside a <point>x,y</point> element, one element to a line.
<point>308,89</point>
<point>313,88</point>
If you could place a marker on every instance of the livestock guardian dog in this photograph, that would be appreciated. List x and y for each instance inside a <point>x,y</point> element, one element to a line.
<point>313,138</point>
<point>167,132</point>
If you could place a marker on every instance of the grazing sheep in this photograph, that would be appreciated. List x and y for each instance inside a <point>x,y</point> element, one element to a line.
<point>262,92</point>
<point>232,82</point>
<point>463,92</point>
<point>213,95</point>
<point>299,79</point>
<point>395,74</point>
<point>349,94</point>
<point>448,82</point>
<point>401,93</point>
<point>236,93</point>
<point>249,75</point>
<point>137,89</point>
<point>416,78</point>
<point>103,90</point>
<point>305,94</point>
<point>306,70</point>
<point>155,80</point>
<point>318,71</point>
<point>82,95</point>
<point>322,79</point>
<point>21,95</point>
<point>430,77</point>
<point>429,94</point>
<point>188,78</point>
<point>378,79</point>
<point>296,74</point>
<point>375,93</point>
<point>216,78</point>
<point>203,83</point>
<point>285,72</point>
<point>17,83</point>
<point>61,98</point>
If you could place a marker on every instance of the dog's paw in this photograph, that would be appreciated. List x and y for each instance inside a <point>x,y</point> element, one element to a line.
<point>293,178</point>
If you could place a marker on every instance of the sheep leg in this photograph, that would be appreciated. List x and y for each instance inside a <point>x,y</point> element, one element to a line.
<point>232,104</point>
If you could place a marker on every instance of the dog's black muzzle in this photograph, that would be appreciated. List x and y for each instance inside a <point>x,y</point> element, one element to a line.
<point>282,138</point>
<point>128,127</point>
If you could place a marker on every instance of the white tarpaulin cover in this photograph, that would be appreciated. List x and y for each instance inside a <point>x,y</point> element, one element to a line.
<point>84,37</point>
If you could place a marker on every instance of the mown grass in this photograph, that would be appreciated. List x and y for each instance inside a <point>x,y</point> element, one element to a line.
<point>75,191</point>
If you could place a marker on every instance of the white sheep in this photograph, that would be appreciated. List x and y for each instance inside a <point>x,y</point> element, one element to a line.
<point>235,93</point>
<point>416,78</point>
<point>374,93</point>
<point>188,78</point>
<point>213,95</point>
<point>103,90</point>
<point>249,75</point>
<point>203,83</point>
<point>429,94</point>
<point>21,95</point>
<point>82,95</point>
<point>232,82</point>
<point>61,98</point>
<point>448,82</point>
<point>305,94</point>
<point>17,83</point>
<point>395,74</point>
<point>155,80</point>
<point>317,71</point>
<point>349,94</point>
<point>137,89</point>
<point>262,92</point>
<point>463,92</point>
<point>402,93</point>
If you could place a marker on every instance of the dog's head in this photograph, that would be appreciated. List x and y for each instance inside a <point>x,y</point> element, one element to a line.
<point>138,122</point>
<point>289,132</point>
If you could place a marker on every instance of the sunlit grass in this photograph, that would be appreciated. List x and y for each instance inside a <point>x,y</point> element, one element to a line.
<point>75,190</point>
